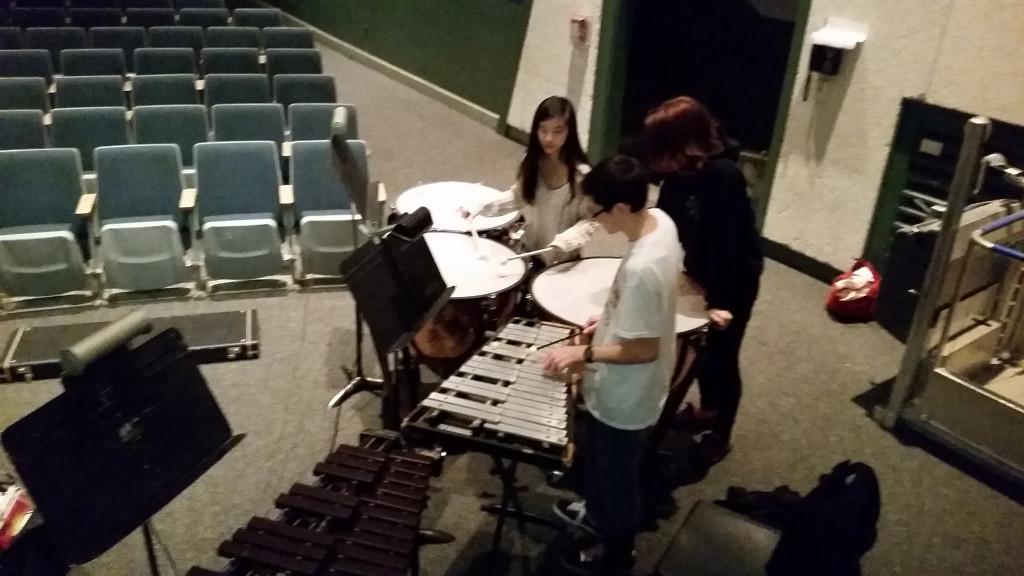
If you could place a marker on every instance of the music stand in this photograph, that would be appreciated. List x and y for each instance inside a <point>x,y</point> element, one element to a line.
<point>398,288</point>
<point>133,428</point>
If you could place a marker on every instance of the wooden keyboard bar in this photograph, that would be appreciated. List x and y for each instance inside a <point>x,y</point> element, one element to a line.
<point>343,473</point>
<point>279,544</point>
<point>309,505</point>
<point>239,551</point>
<point>295,532</point>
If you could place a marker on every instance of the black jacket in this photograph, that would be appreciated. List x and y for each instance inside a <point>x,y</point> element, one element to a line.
<point>716,226</point>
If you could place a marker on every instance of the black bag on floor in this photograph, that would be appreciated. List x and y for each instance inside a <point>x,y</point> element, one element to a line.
<point>832,526</point>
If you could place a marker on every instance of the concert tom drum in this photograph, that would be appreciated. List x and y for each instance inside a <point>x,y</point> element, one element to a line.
<point>484,292</point>
<point>447,200</point>
<point>574,291</point>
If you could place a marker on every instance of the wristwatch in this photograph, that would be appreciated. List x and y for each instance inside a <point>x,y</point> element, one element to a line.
<point>588,354</point>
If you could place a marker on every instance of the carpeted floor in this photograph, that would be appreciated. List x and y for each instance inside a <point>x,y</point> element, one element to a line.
<point>798,416</point>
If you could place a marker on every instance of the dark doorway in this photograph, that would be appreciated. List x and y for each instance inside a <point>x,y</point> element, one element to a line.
<point>730,54</point>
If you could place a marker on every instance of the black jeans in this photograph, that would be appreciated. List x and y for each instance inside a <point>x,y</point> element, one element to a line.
<point>719,380</point>
<point>613,485</point>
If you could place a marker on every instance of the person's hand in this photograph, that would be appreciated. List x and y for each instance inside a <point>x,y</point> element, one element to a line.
<point>564,359</point>
<point>720,318</point>
<point>591,325</point>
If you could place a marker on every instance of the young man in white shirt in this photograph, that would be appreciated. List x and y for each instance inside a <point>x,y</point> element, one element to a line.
<point>627,365</point>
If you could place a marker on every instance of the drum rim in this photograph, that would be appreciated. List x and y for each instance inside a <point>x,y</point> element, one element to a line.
<point>549,312</point>
<point>518,283</point>
<point>518,213</point>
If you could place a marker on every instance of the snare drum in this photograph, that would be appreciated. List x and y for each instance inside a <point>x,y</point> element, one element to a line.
<point>445,200</point>
<point>574,291</point>
<point>484,292</point>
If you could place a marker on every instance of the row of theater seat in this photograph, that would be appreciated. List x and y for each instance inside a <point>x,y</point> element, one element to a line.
<point>112,61</point>
<point>143,229</point>
<point>163,16</point>
<point>130,38</point>
<point>86,129</point>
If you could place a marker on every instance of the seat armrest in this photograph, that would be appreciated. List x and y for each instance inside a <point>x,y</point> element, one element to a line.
<point>286,195</point>
<point>187,202</point>
<point>86,205</point>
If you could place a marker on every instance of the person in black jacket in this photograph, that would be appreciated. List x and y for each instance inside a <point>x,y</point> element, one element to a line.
<point>705,193</point>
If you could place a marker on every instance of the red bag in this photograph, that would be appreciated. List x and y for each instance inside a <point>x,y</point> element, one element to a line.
<point>853,294</point>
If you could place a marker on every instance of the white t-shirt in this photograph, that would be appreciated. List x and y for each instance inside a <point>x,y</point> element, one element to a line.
<point>641,304</point>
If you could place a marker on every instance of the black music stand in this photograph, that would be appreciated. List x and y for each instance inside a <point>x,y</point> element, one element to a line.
<point>397,288</point>
<point>133,428</point>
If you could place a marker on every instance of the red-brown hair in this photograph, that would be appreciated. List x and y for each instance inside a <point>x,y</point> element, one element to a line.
<point>681,135</point>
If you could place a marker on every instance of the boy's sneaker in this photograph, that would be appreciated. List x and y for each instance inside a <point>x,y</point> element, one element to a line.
<point>574,513</point>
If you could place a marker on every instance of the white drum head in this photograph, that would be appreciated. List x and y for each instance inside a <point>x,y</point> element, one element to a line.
<point>445,199</point>
<point>575,291</point>
<point>475,267</point>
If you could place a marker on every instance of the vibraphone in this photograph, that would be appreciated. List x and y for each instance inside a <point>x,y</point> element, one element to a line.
<point>501,403</point>
<point>360,519</point>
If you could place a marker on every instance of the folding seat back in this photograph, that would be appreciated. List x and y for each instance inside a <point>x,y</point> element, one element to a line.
<point>126,38</point>
<point>233,37</point>
<point>93,62</point>
<point>39,251</point>
<point>258,17</point>
<point>139,190</point>
<point>231,61</point>
<point>26,63</point>
<point>182,125</point>
<point>53,40</point>
<point>204,17</point>
<point>313,121</point>
<point>24,94</point>
<point>293,61</point>
<point>236,122</point>
<point>287,37</point>
<point>238,209</point>
<point>236,89</point>
<point>90,91</point>
<point>86,129</point>
<point>165,61</point>
<point>292,88</point>
<point>163,89</point>
<point>10,37</point>
<point>91,17</point>
<point>177,37</point>
<point>21,130</point>
<point>149,17</point>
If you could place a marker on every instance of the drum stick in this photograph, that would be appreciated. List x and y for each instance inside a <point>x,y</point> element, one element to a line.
<point>535,348</point>
<point>534,253</point>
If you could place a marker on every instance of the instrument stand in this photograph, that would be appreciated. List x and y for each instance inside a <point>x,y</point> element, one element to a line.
<point>147,536</point>
<point>357,382</point>
<point>510,506</point>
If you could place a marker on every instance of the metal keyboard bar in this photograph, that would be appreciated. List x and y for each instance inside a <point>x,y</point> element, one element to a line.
<point>501,394</point>
<point>525,433</point>
<point>537,432</point>
<point>502,411</point>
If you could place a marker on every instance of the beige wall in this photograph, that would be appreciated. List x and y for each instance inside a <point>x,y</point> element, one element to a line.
<point>551,64</point>
<point>965,54</point>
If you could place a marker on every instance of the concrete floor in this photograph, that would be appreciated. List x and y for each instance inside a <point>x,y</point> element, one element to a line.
<point>798,418</point>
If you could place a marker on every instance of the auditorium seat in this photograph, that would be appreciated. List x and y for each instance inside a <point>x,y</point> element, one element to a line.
<point>22,130</point>
<point>230,61</point>
<point>40,254</point>
<point>177,37</point>
<point>287,37</point>
<point>312,121</point>
<point>204,17</point>
<point>327,224</point>
<point>139,188</point>
<point>91,17</point>
<point>183,125</point>
<point>97,3</point>
<point>26,63</point>
<point>148,4</point>
<point>149,17</point>
<point>11,38</point>
<point>258,17</point>
<point>236,89</point>
<point>89,128</point>
<point>126,38</point>
<point>163,89</point>
<point>238,210</point>
<point>293,61</point>
<point>200,4</point>
<point>292,88</point>
<point>54,40</point>
<point>24,94</point>
<point>38,17</point>
<point>90,91</point>
<point>93,62</point>
<point>233,37</point>
<point>234,122</point>
<point>165,61</point>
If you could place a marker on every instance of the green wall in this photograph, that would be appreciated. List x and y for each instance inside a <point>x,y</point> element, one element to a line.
<point>468,47</point>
